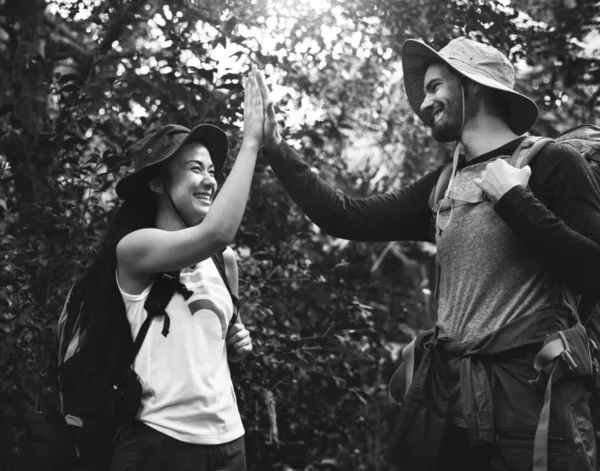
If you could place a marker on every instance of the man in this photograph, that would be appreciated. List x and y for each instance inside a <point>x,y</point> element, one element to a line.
<point>507,240</point>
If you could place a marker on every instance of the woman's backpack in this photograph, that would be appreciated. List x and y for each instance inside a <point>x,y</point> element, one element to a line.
<point>98,393</point>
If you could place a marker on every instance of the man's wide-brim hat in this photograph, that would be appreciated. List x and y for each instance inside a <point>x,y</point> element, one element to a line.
<point>163,144</point>
<point>479,62</point>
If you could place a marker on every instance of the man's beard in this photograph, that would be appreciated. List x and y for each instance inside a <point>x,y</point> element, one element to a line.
<point>448,129</point>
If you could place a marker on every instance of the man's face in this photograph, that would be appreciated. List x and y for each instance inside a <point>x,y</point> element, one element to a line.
<point>442,104</point>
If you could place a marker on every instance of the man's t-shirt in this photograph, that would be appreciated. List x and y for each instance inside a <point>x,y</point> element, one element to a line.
<point>488,275</point>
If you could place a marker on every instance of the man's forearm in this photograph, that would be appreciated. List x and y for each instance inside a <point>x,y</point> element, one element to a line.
<point>402,215</point>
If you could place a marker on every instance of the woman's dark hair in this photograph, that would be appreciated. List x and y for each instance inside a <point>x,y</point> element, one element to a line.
<point>102,318</point>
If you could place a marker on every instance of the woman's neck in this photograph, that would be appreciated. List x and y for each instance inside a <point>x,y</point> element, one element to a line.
<point>168,221</point>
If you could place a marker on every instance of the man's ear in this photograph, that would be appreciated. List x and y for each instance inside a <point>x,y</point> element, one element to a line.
<point>156,186</point>
<point>474,87</point>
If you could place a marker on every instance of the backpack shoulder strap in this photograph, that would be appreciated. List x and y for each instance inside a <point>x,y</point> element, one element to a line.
<point>572,301</point>
<point>441,185</point>
<point>68,319</point>
<point>527,150</point>
<point>162,291</point>
<point>219,262</point>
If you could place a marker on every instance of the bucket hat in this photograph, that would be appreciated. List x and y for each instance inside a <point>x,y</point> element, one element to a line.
<point>162,144</point>
<point>479,62</point>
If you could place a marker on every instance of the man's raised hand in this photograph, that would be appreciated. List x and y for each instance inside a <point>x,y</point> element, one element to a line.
<point>271,136</point>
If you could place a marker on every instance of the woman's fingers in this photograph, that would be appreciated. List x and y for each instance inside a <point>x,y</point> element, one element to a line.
<point>258,100</point>
<point>243,344</point>
<point>237,333</point>
<point>234,329</point>
<point>238,342</point>
<point>253,111</point>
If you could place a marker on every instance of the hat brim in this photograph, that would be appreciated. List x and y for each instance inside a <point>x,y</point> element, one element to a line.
<point>417,56</point>
<point>211,137</point>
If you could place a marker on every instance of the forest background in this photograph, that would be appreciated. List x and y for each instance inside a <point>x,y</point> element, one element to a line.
<point>80,80</point>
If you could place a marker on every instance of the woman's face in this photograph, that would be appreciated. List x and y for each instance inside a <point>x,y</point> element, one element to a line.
<point>191,182</point>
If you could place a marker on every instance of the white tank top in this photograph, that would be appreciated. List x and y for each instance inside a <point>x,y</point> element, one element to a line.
<point>187,391</point>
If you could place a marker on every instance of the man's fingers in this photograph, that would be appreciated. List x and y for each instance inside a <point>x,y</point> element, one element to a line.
<point>271,111</point>
<point>262,86</point>
<point>260,80</point>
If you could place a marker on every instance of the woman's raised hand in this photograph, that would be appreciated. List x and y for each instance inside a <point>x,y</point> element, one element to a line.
<point>253,111</point>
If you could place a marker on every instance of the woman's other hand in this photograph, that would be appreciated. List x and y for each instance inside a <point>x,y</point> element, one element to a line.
<point>239,343</point>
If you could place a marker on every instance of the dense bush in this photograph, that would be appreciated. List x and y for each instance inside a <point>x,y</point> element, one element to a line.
<point>81,80</point>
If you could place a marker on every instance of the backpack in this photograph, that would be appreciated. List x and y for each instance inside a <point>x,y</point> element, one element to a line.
<point>98,394</point>
<point>586,140</point>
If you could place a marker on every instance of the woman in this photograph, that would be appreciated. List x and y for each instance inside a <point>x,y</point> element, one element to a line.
<point>188,418</point>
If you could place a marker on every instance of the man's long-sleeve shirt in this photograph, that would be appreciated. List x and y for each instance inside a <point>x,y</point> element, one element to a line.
<point>557,217</point>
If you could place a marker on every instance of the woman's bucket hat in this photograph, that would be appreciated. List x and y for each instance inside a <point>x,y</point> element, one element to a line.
<point>479,62</point>
<point>161,145</point>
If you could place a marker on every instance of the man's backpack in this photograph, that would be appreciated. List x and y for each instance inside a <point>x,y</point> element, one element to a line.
<point>586,140</point>
<point>98,394</point>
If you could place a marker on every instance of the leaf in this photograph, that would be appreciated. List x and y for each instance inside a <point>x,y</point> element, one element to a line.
<point>24,318</point>
<point>208,74</point>
<point>7,348</point>
<point>30,386</point>
<point>229,25</point>
<point>219,40</point>
<point>68,78</point>
<point>30,111</point>
<point>234,77</point>
<point>340,382</point>
<point>231,86</point>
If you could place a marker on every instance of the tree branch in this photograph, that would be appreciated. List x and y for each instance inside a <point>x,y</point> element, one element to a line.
<point>115,29</point>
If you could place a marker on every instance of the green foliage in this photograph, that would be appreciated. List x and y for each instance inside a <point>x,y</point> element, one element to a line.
<point>81,80</point>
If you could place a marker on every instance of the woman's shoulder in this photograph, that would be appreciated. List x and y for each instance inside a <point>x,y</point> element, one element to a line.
<point>230,260</point>
<point>229,255</point>
<point>132,287</point>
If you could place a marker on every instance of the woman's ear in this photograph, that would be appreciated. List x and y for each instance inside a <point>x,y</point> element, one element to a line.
<point>156,186</point>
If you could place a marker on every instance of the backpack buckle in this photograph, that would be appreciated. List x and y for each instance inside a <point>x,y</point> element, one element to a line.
<point>566,354</point>
<point>178,286</point>
<point>569,359</point>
